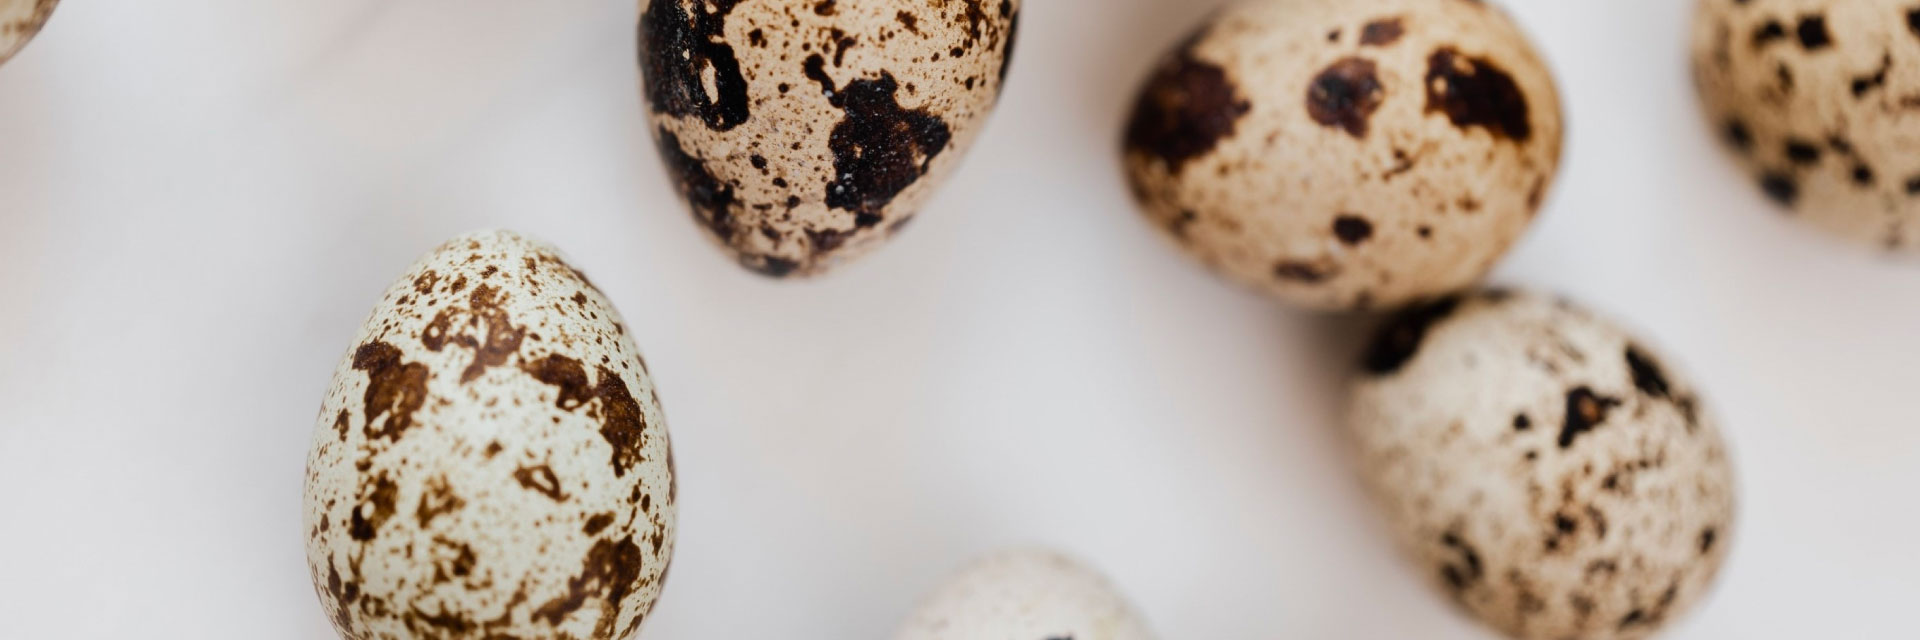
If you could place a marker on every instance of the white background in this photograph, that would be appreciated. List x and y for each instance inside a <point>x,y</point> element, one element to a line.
<point>201,199</point>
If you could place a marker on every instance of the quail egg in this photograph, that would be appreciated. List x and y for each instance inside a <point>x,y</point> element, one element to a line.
<point>1029,594</point>
<point>803,134</point>
<point>1342,155</point>
<point>1548,472</point>
<point>490,460</point>
<point>1820,101</point>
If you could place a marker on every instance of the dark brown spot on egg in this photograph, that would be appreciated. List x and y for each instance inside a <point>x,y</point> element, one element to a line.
<point>374,508</point>
<point>1473,92</point>
<point>679,47</point>
<point>1466,570</point>
<point>1397,341</point>
<point>609,574</point>
<point>395,389</point>
<point>622,420</point>
<point>1345,95</point>
<point>542,480</point>
<point>1648,377</point>
<point>1186,108</point>
<point>1768,33</point>
<point>482,327</point>
<point>1352,230</point>
<point>438,499</point>
<point>1585,411</point>
<point>1380,33</point>
<point>1813,33</point>
<point>1303,272</point>
<point>879,147</point>
<point>712,200</point>
<point>1780,187</point>
<point>1738,135</point>
<point>595,524</point>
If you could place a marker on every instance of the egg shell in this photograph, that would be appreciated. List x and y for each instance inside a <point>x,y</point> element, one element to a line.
<point>803,134</point>
<point>19,21</point>
<point>1026,594</point>
<point>491,459</point>
<point>1820,102</point>
<point>1341,155</point>
<point>1545,469</point>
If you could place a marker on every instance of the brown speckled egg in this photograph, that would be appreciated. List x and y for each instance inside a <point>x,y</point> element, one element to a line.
<point>1029,594</point>
<point>491,460</point>
<point>1342,155</point>
<point>19,21</point>
<point>1820,101</point>
<point>1546,470</point>
<point>804,133</point>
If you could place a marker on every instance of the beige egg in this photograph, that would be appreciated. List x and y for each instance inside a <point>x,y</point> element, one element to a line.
<point>1026,595</point>
<point>803,134</point>
<point>1820,101</point>
<point>1343,155</point>
<point>491,460</point>
<point>19,21</point>
<point>1546,470</point>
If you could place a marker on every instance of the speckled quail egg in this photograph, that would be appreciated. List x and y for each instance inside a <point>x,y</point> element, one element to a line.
<point>491,460</point>
<point>19,21</point>
<point>1342,155</point>
<point>805,133</point>
<point>1543,467</point>
<point>1820,101</point>
<point>1026,594</point>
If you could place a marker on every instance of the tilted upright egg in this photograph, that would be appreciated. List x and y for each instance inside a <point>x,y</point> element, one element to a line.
<point>1820,101</point>
<point>491,460</point>
<point>1544,468</point>
<point>1341,155</point>
<point>1033,594</point>
<point>19,21</point>
<point>805,133</point>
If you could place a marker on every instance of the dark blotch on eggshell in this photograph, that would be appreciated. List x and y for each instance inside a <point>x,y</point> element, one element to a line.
<point>1186,108</point>
<point>1399,339</point>
<point>1345,95</point>
<point>1473,92</point>
<point>677,48</point>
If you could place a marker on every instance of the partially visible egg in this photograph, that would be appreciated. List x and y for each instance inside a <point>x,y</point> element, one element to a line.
<point>19,21</point>
<point>1026,595</point>
<point>1343,155</point>
<point>1547,470</point>
<point>1820,102</point>
<point>491,460</point>
<point>806,133</point>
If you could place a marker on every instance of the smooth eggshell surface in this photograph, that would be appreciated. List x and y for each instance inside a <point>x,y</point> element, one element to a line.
<point>19,21</point>
<point>490,460</point>
<point>803,134</point>
<point>1343,155</point>
<point>1547,471</point>
<point>1820,102</point>
<point>1026,595</point>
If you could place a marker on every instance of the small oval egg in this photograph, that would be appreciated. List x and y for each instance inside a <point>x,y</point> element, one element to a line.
<point>803,134</point>
<point>1344,155</point>
<point>1545,469</point>
<point>1026,594</point>
<point>19,21</point>
<point>491,459</point>
<point>1815,100</point>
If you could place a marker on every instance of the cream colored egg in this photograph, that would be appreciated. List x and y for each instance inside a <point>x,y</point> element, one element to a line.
<point>19,21</point>
<point>1820,102</point>
<point>1546,470</point>
<point>1342,155</point>
<point>805,133</point>
<point>1026,595</point>
<point>491,460</point>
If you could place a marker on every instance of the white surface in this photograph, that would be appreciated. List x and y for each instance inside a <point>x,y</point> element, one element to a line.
<point>200,199</point>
